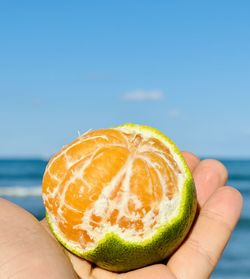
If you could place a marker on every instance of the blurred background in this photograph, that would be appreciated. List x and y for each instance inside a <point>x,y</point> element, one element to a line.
<point>180,66</point>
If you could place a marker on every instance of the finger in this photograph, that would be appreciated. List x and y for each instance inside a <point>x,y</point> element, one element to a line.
<point>191,160</point>
<point>26,248</point>
<point>209,175</point>
<point>198,256</point>
<point>157,271</point>
<point>45,225</point>
<point>82,267</point>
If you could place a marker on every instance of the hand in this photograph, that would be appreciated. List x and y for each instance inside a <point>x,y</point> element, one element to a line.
<point>28,250</point>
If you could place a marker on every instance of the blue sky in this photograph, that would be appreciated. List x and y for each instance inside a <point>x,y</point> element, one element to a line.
<point>181,66</point>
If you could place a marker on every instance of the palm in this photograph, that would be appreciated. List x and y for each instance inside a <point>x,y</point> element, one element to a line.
<point>220,210</point>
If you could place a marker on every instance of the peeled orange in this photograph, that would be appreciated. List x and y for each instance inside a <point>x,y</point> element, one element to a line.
<point>121,197</point>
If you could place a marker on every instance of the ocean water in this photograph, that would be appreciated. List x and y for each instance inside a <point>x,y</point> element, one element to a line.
<point>20,182</point>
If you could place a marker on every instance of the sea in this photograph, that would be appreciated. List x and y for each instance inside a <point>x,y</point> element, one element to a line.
<point>20,182</point>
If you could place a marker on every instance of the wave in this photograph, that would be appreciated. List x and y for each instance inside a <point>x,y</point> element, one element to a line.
<point>19,191</point>
<point>244,222</point>
<point>21,176</point>
<point>239,177</point>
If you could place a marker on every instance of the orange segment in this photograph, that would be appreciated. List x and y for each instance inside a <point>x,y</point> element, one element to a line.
<point>83,149</point>
<point>111,136</point>
<point>67,221</point>
<point>156,184</point>
<point>76,194</point>
<point>105,165</point>
<point>113,217</point>
<point>165,171</point>
<point>50,182</point>
<point>95,220</point>
<point>163,149</point>
<point>59,167</point>
<point>140,184</point>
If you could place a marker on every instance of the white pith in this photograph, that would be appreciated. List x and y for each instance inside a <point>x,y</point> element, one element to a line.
<point>103,205</point>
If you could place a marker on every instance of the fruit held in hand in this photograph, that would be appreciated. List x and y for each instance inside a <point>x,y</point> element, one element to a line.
<point>122,197</point>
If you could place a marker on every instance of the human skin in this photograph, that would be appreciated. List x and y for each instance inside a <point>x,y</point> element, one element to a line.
<point>29,250</point>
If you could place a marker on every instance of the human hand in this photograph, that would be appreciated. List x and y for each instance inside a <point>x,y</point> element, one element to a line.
<point>28,249</point>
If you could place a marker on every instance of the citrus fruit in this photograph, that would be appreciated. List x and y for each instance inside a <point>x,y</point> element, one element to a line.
<point>121,197</point>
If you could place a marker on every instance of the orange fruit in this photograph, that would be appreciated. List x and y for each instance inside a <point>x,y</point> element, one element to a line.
<point>121,197</point>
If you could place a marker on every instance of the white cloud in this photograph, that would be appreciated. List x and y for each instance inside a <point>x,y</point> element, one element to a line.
<point>143,95</point>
